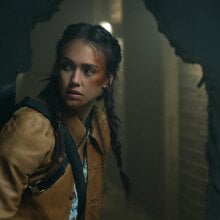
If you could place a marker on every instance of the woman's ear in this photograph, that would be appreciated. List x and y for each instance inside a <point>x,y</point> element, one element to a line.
<point>108,81</point>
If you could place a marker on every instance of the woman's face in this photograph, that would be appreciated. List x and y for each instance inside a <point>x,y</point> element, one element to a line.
<point>82,75</point>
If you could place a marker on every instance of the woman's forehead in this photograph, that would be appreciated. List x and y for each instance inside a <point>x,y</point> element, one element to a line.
<point>83,48</point>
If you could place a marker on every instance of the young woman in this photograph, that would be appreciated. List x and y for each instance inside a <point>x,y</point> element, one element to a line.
<point>84,72</point>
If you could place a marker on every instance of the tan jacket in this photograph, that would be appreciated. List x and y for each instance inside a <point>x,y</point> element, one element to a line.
<point>26,146</point>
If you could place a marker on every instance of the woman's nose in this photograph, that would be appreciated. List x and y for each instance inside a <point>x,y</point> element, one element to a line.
<point>76,77</point>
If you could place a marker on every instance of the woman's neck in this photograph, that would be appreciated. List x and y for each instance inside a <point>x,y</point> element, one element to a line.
<point>81,113</point>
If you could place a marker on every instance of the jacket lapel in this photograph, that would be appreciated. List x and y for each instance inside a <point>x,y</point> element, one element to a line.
<point>76,128</point>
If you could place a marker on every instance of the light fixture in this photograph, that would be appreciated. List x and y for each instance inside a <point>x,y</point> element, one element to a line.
<point>107,26</point>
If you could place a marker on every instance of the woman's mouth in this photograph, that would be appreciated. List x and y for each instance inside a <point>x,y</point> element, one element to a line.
<point>73,94</point>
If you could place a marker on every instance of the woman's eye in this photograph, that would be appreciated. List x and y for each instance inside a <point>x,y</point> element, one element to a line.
<point>66,67</point>
<point>89,71</point>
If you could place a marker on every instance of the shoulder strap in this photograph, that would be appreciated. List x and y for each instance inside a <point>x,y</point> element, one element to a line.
<point>46,182</point>
<point>72,154</point>
<point>36,105</point>
<point>77,168</point>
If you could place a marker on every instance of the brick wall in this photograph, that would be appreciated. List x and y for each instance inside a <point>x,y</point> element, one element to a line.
<point>193,169</point>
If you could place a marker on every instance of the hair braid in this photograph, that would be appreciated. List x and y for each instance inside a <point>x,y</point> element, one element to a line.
<point>114,123</point>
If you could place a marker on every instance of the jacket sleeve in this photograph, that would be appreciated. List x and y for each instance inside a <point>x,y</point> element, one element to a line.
<point>24,143</point>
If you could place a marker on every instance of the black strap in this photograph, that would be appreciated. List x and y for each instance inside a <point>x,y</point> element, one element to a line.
<point>43,184</point>
<point>48,181</point>
<point>34,104</point>
<point>77,167</point>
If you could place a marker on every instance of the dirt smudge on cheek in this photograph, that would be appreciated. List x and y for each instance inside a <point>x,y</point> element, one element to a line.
<point>98,81</point>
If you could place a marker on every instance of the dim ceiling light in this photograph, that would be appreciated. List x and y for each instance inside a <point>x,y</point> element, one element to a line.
<point>106,25</point>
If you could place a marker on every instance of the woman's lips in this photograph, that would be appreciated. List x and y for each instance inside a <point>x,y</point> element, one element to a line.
<point>73,94</point>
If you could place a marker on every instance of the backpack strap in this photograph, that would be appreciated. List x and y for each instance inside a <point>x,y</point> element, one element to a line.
<point>36,105</point>
<point>72,157</point>
<point>46,182</point>
<point>77,168</point>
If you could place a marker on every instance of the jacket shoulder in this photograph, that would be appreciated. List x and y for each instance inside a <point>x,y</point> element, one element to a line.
<point>27,129</point>
<point>27,114</point>
<point>26,144</point>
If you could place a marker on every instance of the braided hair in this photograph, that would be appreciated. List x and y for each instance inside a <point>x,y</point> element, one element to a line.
<point>103,41</point>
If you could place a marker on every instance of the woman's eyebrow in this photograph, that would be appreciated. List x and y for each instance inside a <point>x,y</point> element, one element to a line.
<point>67,59</point>
<point>88,65</point>
<point>83,64</point>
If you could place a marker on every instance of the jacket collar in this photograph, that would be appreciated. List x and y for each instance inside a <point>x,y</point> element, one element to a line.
<point>76,128</point>
<point>99,129</point>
